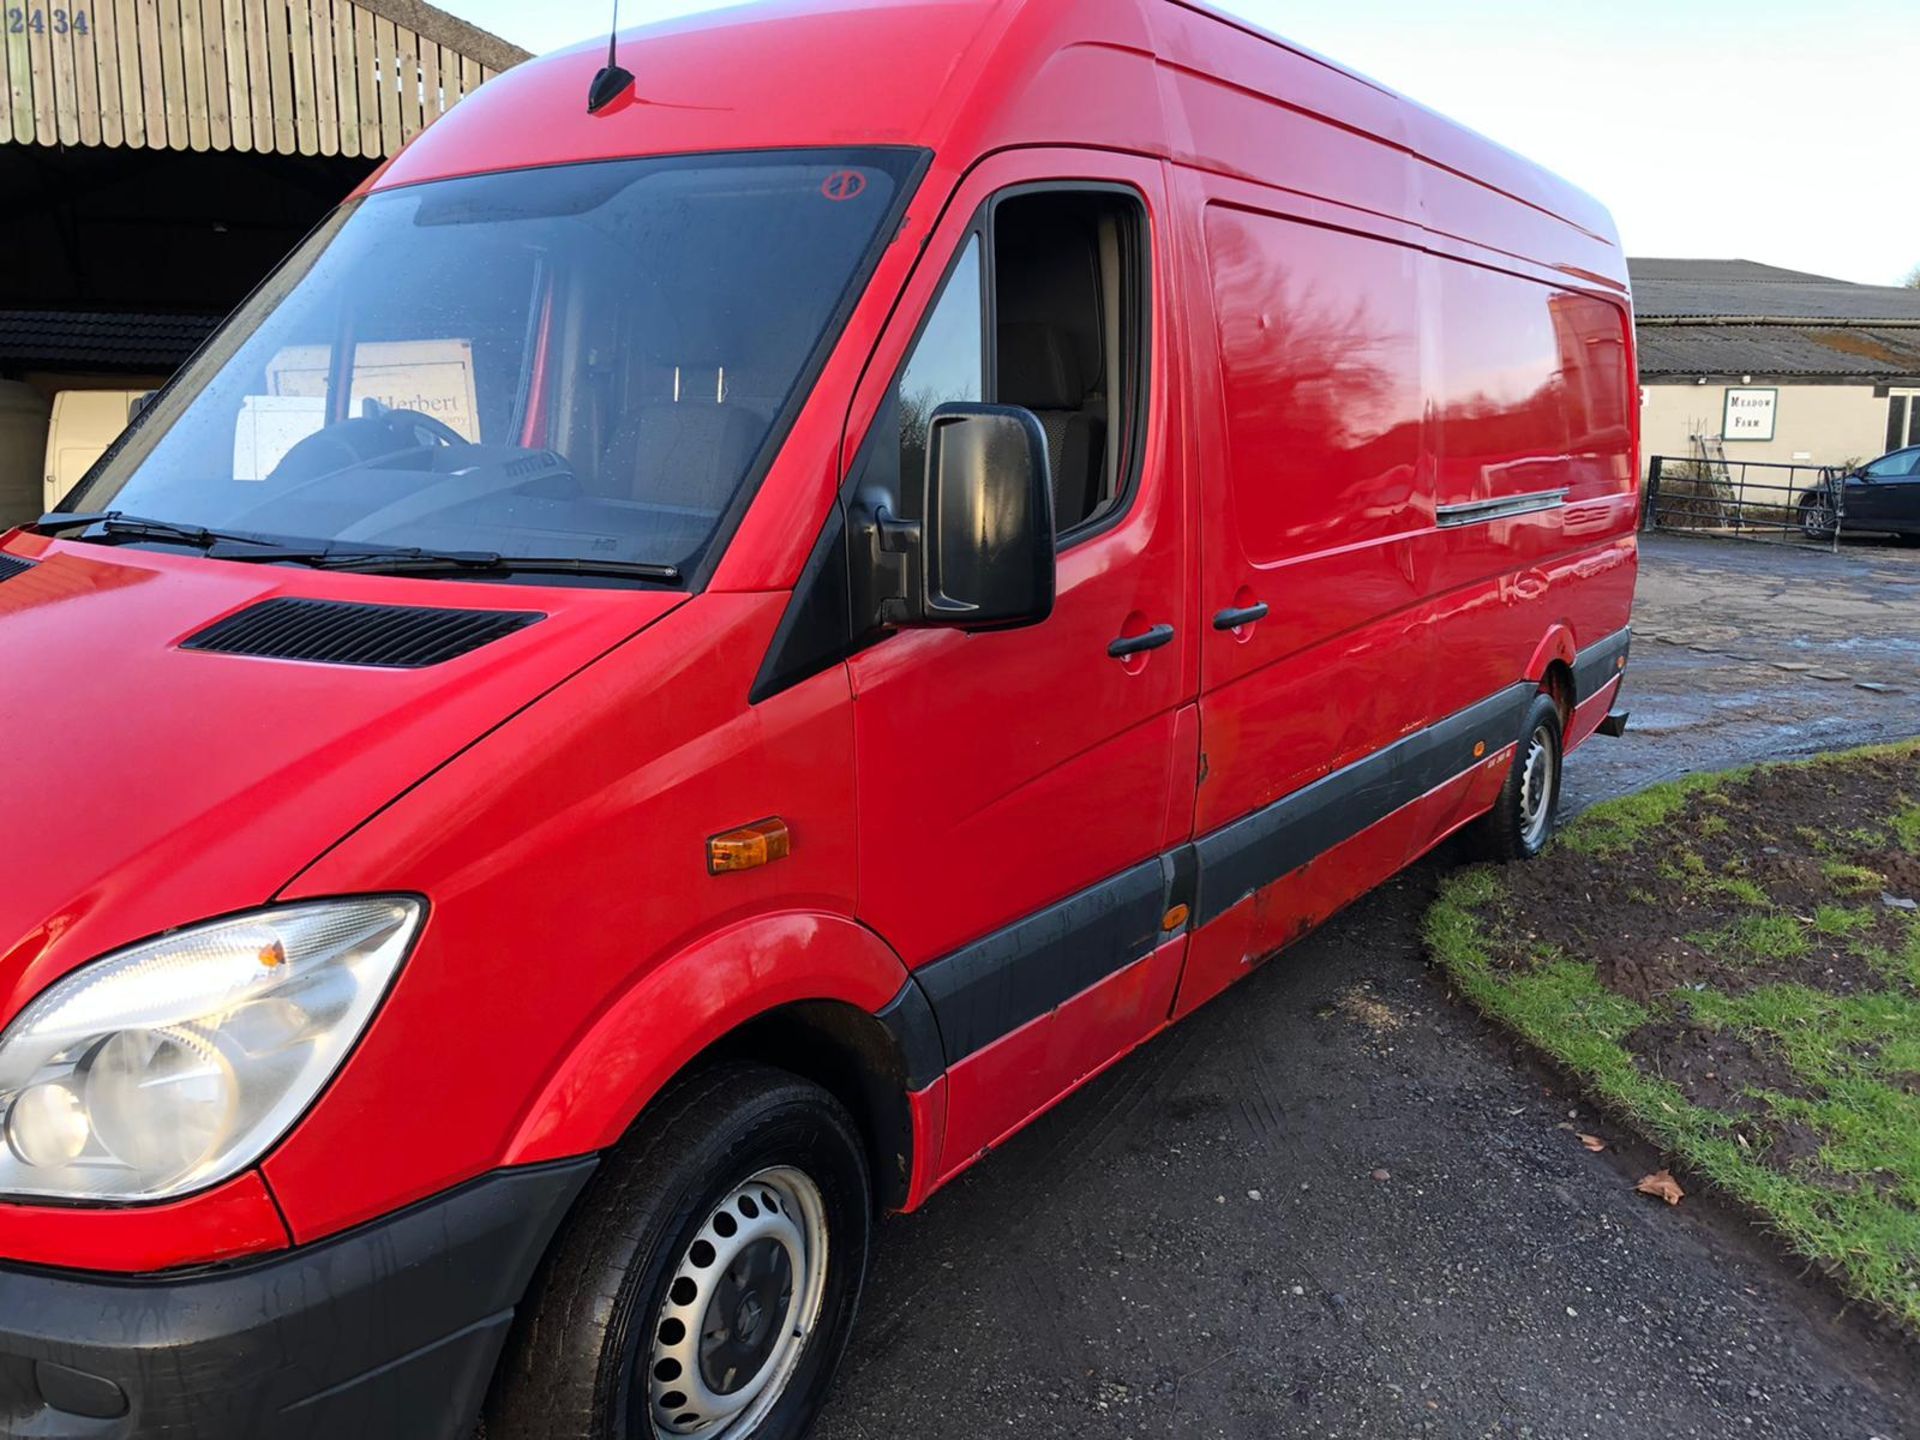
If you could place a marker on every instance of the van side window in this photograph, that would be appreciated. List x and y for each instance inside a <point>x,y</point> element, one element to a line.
<point>1069,321</point>
<point>948,362</point>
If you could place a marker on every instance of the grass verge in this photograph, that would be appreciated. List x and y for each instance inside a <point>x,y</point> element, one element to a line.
<point>1728,963</point>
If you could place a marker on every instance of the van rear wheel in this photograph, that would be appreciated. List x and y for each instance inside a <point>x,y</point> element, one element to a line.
<point>707,1280</point>
<point>1521,821</point>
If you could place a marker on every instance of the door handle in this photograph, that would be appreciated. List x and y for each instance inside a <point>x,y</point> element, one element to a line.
<point>1139,644</point>
<point>1236,616</point>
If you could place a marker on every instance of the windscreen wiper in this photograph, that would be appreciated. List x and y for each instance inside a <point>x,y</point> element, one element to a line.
<point>141,527</point>
<point>361,559</point>
<point>331,555</point>
<point>446,562</point>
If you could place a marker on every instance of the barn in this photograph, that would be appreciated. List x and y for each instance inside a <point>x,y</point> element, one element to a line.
<point>1741,361</point>
<point>159,157</point>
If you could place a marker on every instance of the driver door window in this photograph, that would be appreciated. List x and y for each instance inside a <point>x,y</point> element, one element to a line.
<point>948,364</point>
<point>1054,324</point>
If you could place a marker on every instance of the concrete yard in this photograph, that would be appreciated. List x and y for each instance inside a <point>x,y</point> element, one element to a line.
<point>1336,1202</point>
<point>1747,650</point>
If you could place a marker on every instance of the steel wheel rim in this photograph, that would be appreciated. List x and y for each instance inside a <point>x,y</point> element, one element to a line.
<point>1536,787</point>
<point>1818,517</point>
<point>712,1326</point>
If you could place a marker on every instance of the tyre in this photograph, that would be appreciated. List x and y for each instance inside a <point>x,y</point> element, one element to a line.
<point>1817,518</point>
<point>1521,821</point>
<point>707,1279</point>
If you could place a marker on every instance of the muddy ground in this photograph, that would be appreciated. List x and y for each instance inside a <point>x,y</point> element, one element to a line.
<point>1198,1245</point>
<point>1796,876</point>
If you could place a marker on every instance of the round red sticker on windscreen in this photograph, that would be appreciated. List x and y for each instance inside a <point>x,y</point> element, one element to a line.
<point>844,185</point>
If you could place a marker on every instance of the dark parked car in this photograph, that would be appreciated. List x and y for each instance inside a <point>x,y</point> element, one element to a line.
<point>1883,495</point>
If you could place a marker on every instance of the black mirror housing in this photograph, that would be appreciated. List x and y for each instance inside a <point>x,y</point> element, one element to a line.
<point>987,532</point>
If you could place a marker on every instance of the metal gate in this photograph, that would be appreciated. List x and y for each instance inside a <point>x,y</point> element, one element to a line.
<point>1745,499</point>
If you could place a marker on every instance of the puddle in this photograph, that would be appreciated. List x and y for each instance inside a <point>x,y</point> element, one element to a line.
<point>1659,720</point>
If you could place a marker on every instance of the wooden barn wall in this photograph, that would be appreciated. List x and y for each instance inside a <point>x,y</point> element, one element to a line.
<point>306,77</point>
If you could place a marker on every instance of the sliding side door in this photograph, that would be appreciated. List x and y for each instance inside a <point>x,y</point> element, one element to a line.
<point>1314,664</point>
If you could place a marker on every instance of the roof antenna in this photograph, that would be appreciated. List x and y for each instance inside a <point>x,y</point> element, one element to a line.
<point>612,80</point>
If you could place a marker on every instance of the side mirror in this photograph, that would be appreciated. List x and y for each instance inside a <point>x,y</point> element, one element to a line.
<point>985,541</point>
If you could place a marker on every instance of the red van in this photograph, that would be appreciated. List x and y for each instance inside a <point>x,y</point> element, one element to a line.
<point>689,665</point>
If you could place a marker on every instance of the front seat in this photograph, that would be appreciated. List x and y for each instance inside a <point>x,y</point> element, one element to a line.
<point>1040,369</point>
<point>686,454</point>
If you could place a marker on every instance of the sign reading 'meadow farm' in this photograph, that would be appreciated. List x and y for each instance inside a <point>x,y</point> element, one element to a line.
<point>1749,414</point>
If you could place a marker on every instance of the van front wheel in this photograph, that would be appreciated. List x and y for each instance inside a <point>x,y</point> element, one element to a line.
<point>1521,821</point>
<point>707,1280</point>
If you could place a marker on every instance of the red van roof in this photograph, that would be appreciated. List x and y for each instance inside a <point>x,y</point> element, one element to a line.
<point>803,74</point>
<point>965,77</point>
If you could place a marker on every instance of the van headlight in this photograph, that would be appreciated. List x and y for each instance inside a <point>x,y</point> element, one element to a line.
<point>176,1064</point>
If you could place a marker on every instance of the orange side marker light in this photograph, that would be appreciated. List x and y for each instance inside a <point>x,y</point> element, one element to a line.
<point>1174,918</point>
<point>749,847</point>
<point>1479,749</point>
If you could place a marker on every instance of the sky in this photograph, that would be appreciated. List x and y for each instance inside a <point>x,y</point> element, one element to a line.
<point>1782,131</point>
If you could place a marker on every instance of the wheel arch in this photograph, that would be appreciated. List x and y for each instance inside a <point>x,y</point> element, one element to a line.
<point>1557,680</point>
<point>854,1057</point>
<point>820,996</point>
<point>1551,668</point>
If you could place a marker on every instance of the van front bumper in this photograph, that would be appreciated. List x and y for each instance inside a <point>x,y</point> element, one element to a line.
<point>389,1332</point>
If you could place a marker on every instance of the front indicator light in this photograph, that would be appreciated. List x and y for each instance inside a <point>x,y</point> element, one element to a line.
<point>171,1066</point>
<point>749,847</point>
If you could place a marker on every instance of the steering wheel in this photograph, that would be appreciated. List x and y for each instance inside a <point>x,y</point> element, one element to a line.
<point>404,420</point>
<point>379,433</point>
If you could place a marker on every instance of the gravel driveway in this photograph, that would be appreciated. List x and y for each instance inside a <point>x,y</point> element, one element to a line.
<point>1336,1203</point>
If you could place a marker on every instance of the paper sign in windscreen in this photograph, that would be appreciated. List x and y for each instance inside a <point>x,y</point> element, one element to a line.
<point>429,377</point>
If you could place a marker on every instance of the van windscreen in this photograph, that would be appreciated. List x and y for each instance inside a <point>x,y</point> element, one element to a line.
<point>581,362</point>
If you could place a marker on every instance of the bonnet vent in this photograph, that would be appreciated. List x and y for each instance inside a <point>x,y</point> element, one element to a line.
<point>328,632</point>
<point>10,567</point>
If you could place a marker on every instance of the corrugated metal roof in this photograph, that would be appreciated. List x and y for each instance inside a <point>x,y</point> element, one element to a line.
<point>1727,271</point>
<point>92,339</point>
<point>1744,290</point>
<point>1864,351</point>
